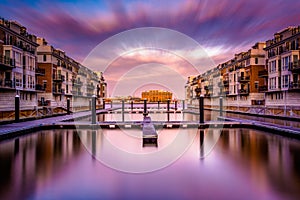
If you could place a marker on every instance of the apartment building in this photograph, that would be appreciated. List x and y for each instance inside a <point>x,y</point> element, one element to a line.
<point>282,71</point>
<point>17,67</point>
<point>243,77</point>
<point>86,84</point>
<point>60,71</point>
<point>237,80</point>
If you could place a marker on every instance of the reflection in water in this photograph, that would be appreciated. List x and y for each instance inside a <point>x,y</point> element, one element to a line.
<point>55,165</point>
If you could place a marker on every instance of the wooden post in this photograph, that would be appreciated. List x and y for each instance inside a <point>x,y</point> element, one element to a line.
<point>168,109</point>
<point>123,109</point>
<point>221,106</point>
<point>68,106</point>
<point>93,109</point>
<point>201,109</point>
<point>17,108</point>
<point>103,102</point>
<point>145,108</point>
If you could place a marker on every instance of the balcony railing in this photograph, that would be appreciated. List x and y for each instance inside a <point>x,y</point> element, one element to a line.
<point>77,83</point>
<point>243,92</point>
<point>263,73</point>
<point>58,91</point>
<point>243,78</point>
<point>6,83</point>
<point>263,88</point>
<point>294,66</point>
<point>59,78</point>
<point>7,62</point>
<point>90,86</point>
<point>39,87</point>
<point>294,86</point>
<point>39,71</point>
<point>225,82</point>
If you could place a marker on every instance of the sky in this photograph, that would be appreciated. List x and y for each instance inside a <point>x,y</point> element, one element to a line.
<point>221,28</point>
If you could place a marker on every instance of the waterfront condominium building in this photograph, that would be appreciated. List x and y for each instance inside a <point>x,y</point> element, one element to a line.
<point>17,67</point>
<point>60,71</point>
<point>241,77</point>
<point>65,78</point>
<point>282,72</point>
<point>237,80</point>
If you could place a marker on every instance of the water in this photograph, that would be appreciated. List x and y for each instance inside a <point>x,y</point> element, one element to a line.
<point>244,164</point>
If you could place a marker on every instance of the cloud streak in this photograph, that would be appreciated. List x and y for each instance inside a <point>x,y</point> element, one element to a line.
<point>222,27</point>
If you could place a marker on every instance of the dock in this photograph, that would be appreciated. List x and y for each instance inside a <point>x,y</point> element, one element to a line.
<point>149,133</point>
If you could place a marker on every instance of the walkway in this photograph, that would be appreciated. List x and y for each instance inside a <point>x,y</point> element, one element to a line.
<point>27,125</point>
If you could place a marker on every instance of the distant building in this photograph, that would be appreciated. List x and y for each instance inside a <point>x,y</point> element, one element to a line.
<point>156,95</point>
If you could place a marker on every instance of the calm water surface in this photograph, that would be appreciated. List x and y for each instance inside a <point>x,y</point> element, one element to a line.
<point>244,164</point>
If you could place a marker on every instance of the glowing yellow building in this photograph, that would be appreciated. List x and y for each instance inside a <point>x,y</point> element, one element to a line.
<point>156,95</point>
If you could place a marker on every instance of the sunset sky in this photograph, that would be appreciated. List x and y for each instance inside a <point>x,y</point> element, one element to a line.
<point>222,28</point>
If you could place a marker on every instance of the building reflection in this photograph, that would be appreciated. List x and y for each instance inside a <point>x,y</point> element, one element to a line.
<point>269,158</point>
<point>33,159</point>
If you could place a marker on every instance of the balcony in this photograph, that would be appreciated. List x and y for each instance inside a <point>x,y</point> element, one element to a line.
<point>263,73</point>
<point>39,71</point>
<point>8,84</point>
<point>58,78</point>
<point>77,93</point>
<point>262,88</point>
<point>6,63</point>
<point>77,83</point>
<point>243,92</point>
<point>90,87</point>
<point>81,73</point>
<point>294,86</point>
<point>58,91</point>
<point>243,78</point>
<point>225,82</point>
<point>294,67</point>
<point>39,87</point>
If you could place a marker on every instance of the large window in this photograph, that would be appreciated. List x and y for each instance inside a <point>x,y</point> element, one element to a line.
<point>18,80</point>
<point>285,63</point>
<point>285,81</point>
<point>272,66</point>
<point>17,58</point>
<point>272,83</point>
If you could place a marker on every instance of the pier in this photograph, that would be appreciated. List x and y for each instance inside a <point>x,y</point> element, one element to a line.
<point>149,133</point>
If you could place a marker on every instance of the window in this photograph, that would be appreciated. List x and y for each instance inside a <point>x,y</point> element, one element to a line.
<point>18,58</point>
<point>272,83</point>
<point>18,80</point>
<point>248,62</point>
<point>256,84</point>
<point>285,81</point>
<point>256,60</point>
<point>44,58</point>
<point>285,63</point>
<point>272,66</point>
